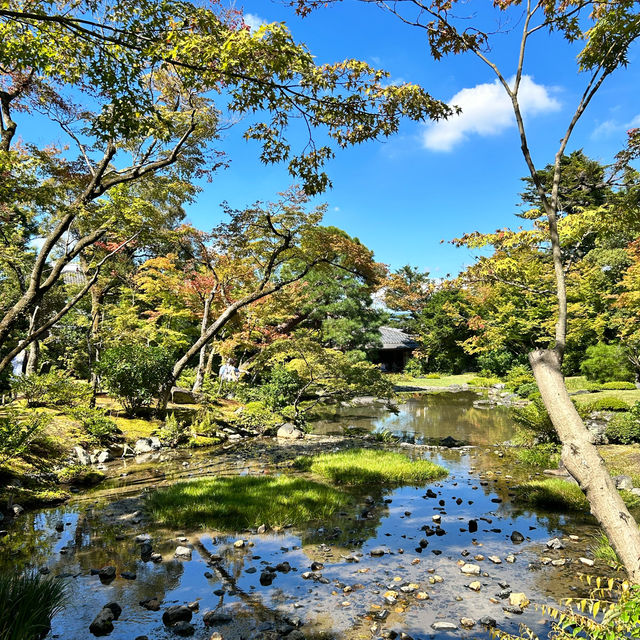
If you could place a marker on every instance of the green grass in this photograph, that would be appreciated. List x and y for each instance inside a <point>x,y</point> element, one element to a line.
<point>423,381</point>
<point>602,550</point>
<point>560,495</point>
<point>28,603</point>
<point>578,383</point>
<point>242,502</point>
<point>371,466</point>
<point>544,456</point>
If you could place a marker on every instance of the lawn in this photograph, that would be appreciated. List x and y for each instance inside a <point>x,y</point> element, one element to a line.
<point>371,466</point>
<point>444,381</point>
<point>560,495</point>
<point>244,502</point>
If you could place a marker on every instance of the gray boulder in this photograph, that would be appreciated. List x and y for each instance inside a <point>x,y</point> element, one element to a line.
<point>289,431</point>
<point>624,482</point>
<point>104,456</point>
<point>180,395</point>
<point>82,456</point>
<point>176,613</point>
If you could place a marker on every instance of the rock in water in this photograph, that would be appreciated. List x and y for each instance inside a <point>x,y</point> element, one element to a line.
<point>102,624</point>
<point>176,613</point>
<point>517,537</point>
<point>289,432</point>
<point>183,553</point>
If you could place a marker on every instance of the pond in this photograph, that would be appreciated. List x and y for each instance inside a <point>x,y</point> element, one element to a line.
<point>390,563</point>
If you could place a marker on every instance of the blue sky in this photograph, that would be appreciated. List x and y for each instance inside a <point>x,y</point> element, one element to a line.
<point>403,196</point>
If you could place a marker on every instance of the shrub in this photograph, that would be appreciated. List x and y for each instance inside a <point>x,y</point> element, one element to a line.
<point>413,368</point>
<point>281,387</point>
<point>618,386</point>
<point>134,374</point>
<point>607,404</point>
<point>28,603</point>
<point>187,378</point>
<point>593,387</point>
<point>624,428</point>
<point>607,363</point>
<point>53,388</point>
<point>16,432</point>
<point>433,376</point>
<point>498,362</point>
<point>534,419</point>
<point>96,423</point>
<point>545,456</point>
<point>257,416</point>
<point>518,376</point>
<point>480,381</point>
<point>173,432</point>
<point>527,389</point>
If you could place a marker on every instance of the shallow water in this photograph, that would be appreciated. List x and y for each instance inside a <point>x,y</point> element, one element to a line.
<point>98,531</point>
<point>426,418</point>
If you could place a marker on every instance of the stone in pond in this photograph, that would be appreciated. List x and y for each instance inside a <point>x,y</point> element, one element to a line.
<point>518,600</point>
<point>176,613</point>
<point>555,543</point>
<point>467,623</point>
<point>266,578</point>
<point>183,629</point>
<point>211,618</point>
<point>517,537</point>
<point>183,553</point>
<point>152,604</point>
<point>444,626</point>
<point>487,621</point>
<point>289,432</point>
<point>473,526</point>
<point>470,569</point>
<point>377,552</point>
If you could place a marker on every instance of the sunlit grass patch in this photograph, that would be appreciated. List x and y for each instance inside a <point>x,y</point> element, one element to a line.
<point>602,550</point>
<point>544,456</point>
<point>243,502</point>
<point>371,466</point>
<point>560,495</point>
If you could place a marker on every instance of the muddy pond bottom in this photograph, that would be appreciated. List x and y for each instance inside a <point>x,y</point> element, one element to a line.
<point>420,560</point>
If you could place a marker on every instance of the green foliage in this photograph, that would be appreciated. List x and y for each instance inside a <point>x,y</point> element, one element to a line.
<point>534,421</point>
<point>371,466</point>
<point>553,494</point>
<point>414,368</point>
<point>480,381</point>
<point>96,423</point>
<point>602,550</point>
<point>624,428</point>
<point>134,373</point>
<point>281,387</point>
<point>385,436</point>
<point>517,376</point>
<point>543,456</point>
<point>173,432</point>
<point>433,376</point>
<point>240,502</point>
<point>53,388</point>
<point>257,416</point>
<point>527,390</point>
<point>187,378</point>
<point>16,432</point>
<point>606,404</point>
<point>29,601</point>
<point>498,362</point>
<point>620,385</point>
<point>607,363</point>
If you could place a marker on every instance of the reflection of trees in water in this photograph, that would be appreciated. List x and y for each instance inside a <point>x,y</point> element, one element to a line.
<point>430,417</point>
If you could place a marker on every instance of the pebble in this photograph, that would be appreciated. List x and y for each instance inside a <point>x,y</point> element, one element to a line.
<point>470,569</point>
<point>475,585</point>
<point>495,559</point>
<point>467,623</point>
<point>586,561</point>
<point>444,626</point>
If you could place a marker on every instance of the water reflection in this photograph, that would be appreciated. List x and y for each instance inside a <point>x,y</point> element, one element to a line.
<point>425,418</point>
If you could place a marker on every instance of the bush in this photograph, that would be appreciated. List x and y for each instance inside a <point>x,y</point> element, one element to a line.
<point>433,376</point>
<point>187,378</point>
<point>96,423</point>
<point>624,428</point>
<point>544,456</point>
<point>16,432</point>
<point>593,387</point>
<point>517,376</point>
<point>499,362</point>
<point>28,603</point>
<point>54,388</point>
<point>134,374</point>
<point>618,386</point>
<point>607,363</point>
<point>606,404</point>
<point>257,416</point>
<point>535,421</point>
<point>479,381</point>
<point>173,432</point>
<point>281,387</point>
<point>413,368</point>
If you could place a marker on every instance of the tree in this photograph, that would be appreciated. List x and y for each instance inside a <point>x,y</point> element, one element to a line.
<point>152,73</point>
<point>608,30</point>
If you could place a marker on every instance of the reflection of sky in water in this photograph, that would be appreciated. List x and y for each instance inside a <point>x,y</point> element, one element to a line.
<point>429,417</point>
<point>387,525</point>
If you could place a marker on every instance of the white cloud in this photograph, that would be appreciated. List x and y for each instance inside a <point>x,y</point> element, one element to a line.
<point>253,21</point>
<point>336,209</point>
<point>487,111</point>
<point>612,127</point>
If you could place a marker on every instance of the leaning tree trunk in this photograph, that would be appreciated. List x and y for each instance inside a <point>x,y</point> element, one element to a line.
<point>584,463</point>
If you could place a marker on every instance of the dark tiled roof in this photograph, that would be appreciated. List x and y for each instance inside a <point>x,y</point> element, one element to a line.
<point>396,339</point>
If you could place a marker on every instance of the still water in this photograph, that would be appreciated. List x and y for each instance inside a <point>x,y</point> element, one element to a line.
<point>352,595</point>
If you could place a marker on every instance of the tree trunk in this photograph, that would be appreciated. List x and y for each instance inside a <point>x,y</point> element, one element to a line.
<point>584,463</point>
<point>33,357</point>
<point>200,371</point>
<point>97,298</point>
<point>209,368</point>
